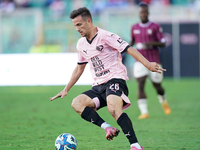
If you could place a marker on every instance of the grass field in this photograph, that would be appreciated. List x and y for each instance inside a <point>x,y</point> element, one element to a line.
<point>29,121</point>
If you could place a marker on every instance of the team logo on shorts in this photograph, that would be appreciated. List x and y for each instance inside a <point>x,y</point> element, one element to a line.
<point>99,48</point>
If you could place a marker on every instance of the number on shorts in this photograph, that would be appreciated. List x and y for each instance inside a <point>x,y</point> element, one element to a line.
<point>114,86</point>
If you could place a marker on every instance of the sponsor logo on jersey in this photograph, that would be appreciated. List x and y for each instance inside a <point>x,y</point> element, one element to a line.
<point>102,73</point>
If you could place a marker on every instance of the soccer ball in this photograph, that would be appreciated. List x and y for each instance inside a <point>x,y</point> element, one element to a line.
<point>66,141</point>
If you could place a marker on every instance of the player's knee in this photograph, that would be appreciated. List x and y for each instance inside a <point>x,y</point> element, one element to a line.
<point>76,104</point>
<point>80,102</point>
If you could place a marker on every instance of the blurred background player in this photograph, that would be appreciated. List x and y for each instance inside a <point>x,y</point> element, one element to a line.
<point>148,37</point>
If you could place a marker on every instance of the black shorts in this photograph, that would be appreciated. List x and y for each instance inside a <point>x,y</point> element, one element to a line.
<point>100,92</point>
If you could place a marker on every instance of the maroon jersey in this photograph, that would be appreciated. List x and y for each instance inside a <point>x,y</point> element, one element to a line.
<point>148,32</point>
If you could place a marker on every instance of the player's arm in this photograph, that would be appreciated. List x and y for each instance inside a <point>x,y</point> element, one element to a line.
<point>152,66</point>
<point>74,78</point>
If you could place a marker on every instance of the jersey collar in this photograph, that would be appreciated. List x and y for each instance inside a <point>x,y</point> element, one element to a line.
<point>145,24</point>
<point>90,41</point>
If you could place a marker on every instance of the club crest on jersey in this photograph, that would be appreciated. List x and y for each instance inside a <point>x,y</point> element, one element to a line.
<point>99,48</point>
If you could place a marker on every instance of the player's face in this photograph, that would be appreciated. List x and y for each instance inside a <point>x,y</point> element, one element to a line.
<point>143,14</point>
<point>82,25</point>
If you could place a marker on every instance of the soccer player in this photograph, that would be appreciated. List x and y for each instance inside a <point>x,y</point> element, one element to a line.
<point>102,51</point>
<point>148,37</point>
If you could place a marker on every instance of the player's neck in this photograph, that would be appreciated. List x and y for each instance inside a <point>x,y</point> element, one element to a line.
<point>92,33</point>
<point>145,21</point>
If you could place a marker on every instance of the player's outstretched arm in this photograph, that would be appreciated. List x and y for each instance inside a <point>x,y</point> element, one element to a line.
<point>152,66</point>
<point>74,78</point>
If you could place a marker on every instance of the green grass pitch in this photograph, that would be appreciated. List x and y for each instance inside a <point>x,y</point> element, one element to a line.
<point>29,121</point>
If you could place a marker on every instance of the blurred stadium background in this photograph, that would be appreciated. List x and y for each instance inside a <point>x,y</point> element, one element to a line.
<point>35,34</point>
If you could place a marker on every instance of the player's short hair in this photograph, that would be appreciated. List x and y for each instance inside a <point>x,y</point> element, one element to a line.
<point>83,11</point>
<point>143,4</point>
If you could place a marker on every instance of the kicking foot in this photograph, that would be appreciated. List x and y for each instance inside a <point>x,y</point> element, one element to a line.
<point>111,132</point>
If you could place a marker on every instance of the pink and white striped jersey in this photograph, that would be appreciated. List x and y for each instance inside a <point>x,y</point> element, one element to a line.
<point>103,53</point>
<point>148,32</point>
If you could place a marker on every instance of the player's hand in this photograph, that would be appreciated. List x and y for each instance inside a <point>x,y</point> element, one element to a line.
<point>154,67</point>
<point>61,95</point>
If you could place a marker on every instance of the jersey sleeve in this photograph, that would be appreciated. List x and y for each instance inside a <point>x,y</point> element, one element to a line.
<point>81,59</point>
<point>159,34</point>
<point>116,42</point>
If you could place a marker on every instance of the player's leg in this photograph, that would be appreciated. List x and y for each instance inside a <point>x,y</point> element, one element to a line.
<point>162,98</point>
<point>117,100</point>
<point>86,105</point>
<point>82,101</point>
<point>156,79</point>
<point>115,104</point>
<point>140,73</point>
<point>142,99</point>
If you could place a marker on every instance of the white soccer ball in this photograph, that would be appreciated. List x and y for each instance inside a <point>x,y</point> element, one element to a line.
<point>66,141</point>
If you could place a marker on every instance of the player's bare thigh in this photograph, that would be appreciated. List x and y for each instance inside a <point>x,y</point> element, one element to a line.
<point>80,102</point>
<point>115,104</point>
